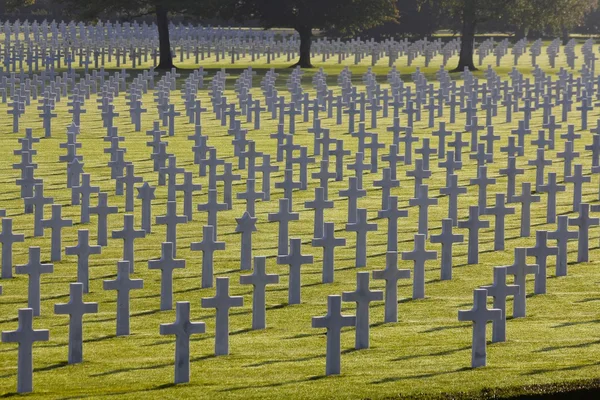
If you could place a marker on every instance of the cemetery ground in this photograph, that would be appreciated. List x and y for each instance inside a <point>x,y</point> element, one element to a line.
<point>426,353</point>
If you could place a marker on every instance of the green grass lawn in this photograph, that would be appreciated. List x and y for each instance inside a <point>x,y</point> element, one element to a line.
<point>426,353</point>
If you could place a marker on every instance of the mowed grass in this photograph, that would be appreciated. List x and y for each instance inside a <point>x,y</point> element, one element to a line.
<point>426,353</point>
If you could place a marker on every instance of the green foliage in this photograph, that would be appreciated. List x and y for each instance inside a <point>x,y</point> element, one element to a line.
<point>415,20</point>
<point>345,16</point>
<point>551,14</point>
<point>533,14</point>
<point>131,8</point>
<point>16,4</point>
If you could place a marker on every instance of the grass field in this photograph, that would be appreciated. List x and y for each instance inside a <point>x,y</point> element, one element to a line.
<point>426,353</point>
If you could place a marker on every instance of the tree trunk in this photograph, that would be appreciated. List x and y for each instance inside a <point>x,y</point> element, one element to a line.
<point>162,21</point>
<point>305,43</point>
<point>520,33</point>
<point>467,42</point>
<point>565,34</point>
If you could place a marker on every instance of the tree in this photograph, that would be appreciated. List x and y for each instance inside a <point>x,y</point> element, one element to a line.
<point>88,9</point>
<point>345,16</point>
<point>553,16</point>
<point>470,13</point>
<point>524,14</point>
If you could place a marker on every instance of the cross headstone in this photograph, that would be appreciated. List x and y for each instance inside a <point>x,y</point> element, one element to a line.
<point>222,302</point>
<point>562,234</point>
<point>526,198</point>
<point>361,227</point>
<point>520,269</point>
<point>166,264</point>
<point>583,222</point>
<point>208,246</point>
<point>480,315</point>
<point>182,328</point>
<point>56,223</point>
<point>447,240</point>
<point>328,242</point>
<point>34,269</point>
<point>129,234</point>
<point>500,290</point>
<point>246,225</point>
<point>76,308</point>
<point>37,201</point>
<point>419,256</point>
<point>259,279</point>
<point>83,250</point>
<point>171,220</point>
<point>334,321</point>
<point>103,210</point>
<point>123,284</point>
<point>146,194</point>
<point>25,336</point>
<point>473,224</point>
<point>541,251</point>
<point>8,238</point>
<point>362,296</point>
<point>295,259</point>
<point>283,216</point>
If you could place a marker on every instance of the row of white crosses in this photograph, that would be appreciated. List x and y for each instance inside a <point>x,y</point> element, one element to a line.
<point>495,90</point>
<point>49,45</point>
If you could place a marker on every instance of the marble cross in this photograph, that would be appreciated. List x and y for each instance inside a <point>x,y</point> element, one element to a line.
<point>480,315</point>
<point>208,246</point>
<point>123,284</point>
<point>520,269</point>
<point>334,321</point>
<point>500,290</point>
<point>182,328</point>
<point>129,234</point>
<point>25,336</point>
<point>259,279</point>
<point>171,220</point>
<point>447,240</point>
<point>166,264</point>
<point>284,216</point>
<point>8,238</point>
<point>146,194</point>
<point>419,256</point>
<point>328,242</point>
<point>76,309</point>
<point>83,250</point>
<point>246,225</point>
<point>541,251</point>
<point>56,223</point>
<point>362,296</point>
<point>103,210</point>
<point>295,259</point>
<point>34,269</point>
<point>222,302</point>
<point>361,227</point>
<point>562,234</point>
<point>391,274</point>
<point>473,224</point>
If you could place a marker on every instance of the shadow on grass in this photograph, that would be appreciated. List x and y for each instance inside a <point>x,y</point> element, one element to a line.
<point>275,384</point>
<point>420,376</point>
<point>149,367</point>
<point>553,370</point>
<point>437,354</point>
<point>570,346</point>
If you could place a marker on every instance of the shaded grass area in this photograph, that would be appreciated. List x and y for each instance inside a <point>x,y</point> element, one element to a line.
<point>425,354</point>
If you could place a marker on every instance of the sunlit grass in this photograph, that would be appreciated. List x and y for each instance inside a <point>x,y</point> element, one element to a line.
<point>426,352</point>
